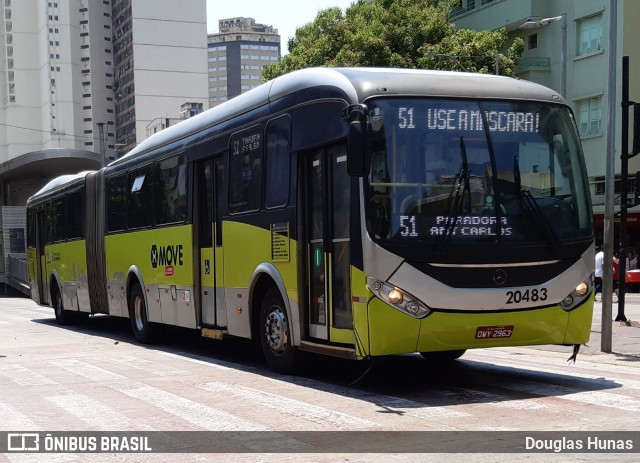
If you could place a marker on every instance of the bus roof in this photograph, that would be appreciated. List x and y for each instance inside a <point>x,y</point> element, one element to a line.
<point>60,182</point>
<point>355,85</point>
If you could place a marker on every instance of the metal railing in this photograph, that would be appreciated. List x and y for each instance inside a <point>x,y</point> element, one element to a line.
<point>534,62</point>
<point>18,271</point>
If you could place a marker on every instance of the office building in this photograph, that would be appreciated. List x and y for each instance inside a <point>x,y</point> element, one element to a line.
<point>160,62</point>
<point>83,78</point>
<point>237,54</point>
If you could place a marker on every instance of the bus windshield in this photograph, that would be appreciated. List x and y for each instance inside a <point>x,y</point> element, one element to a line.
<point>449,171</point>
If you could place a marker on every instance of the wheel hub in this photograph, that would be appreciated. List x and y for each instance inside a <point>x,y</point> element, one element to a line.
<point>137,314</point>
<point>276,330</point>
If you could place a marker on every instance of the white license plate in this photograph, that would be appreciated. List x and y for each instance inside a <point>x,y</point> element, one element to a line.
<point>493,332</point>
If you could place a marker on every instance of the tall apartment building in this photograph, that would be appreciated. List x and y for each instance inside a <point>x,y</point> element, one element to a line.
<point>584,53</point>
<point>160,59</point>
<point>237,54</point>
<point>55,79</point>
<point>73,70</point>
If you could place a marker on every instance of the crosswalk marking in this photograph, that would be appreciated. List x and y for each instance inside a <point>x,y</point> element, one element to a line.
<point>23,376</point>
<point>95,413</point>
<point>154,368</point>
<point>88,371</point>
<point>424,410</point>
<point>201,415</point>
<point>212,363</point>
<point>13,419</point>
<point>293,408</point>
<point>528,382</point>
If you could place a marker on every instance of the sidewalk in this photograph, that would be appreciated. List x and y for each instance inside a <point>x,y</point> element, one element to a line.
<point>625,338</point>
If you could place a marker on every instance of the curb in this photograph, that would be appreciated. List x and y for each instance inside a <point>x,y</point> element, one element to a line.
<point>612,358</point>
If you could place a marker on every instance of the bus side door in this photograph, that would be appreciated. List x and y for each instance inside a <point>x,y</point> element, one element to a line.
<point>326,217</point>
<point>210,242</point>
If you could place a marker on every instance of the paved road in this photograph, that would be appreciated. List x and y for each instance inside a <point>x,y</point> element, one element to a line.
<point>95,377</point>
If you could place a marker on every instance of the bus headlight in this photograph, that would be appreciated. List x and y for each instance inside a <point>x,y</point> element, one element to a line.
<point>395,296</point>
<point>398,298</point>
<point>575,298</point>
<point>582,289</point>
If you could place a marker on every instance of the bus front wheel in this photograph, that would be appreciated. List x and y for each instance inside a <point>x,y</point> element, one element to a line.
<point>138,315</point>
<point>275,334</point>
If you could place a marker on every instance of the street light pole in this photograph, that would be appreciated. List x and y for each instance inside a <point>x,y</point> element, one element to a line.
<point>563,53</point>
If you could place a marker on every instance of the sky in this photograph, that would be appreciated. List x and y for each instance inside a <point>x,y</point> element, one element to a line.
<point>284,15</point>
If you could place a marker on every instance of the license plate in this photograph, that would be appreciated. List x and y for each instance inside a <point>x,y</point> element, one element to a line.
<point>493,332</point>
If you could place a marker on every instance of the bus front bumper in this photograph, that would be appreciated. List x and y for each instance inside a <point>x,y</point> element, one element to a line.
<point>392,332</point>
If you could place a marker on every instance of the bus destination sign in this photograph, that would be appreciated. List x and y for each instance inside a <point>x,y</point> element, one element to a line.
<point>470,120</point>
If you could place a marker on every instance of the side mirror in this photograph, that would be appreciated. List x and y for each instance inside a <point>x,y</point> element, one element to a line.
<point>358,149</point>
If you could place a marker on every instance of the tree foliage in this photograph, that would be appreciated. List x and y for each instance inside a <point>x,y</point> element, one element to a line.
<point>396,33</point>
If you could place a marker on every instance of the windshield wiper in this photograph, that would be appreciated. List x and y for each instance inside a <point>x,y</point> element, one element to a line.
<point>529,204</point>
<point>460,186</point>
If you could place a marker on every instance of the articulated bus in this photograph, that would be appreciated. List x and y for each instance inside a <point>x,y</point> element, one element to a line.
<point>350,212</point>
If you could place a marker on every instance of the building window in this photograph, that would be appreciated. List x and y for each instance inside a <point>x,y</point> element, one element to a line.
<point>589,35</point>
<point>533,41</point>
<point>590,116</point>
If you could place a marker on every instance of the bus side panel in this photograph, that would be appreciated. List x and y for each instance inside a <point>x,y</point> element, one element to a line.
<point>246,247</point>
<point>68,262</point>
<point>360,316</point>
<point>163,258</point>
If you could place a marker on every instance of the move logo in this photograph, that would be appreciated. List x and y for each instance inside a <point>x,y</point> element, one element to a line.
<point>167,255</point>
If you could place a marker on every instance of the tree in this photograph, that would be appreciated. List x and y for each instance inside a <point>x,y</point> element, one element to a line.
<point>396,33</point>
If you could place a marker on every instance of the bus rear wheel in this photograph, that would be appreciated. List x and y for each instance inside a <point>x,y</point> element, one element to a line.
<point>275,334</point>
<point>63,317</point>
<point>138,314</point>
<point>443,356</point>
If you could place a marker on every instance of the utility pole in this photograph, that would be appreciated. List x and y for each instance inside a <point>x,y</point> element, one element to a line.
<point>624,181</point>
<point>609,183</point>
<point>103,154</point>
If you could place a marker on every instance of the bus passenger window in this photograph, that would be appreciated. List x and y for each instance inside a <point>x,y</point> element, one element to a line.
<point>277,163</point>
<point>245,171</point>
<point>116,203</point>
<point>75,216</point>
<point>140,198</point>
<point>171,191</point>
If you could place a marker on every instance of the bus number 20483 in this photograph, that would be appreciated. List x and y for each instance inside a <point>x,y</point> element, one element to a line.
<point>529,295</point>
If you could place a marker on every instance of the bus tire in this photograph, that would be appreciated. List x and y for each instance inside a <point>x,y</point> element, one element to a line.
<point>275,334</point>
<point>138,315</point>
<point>443,356</point>
<point>63,317</point>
